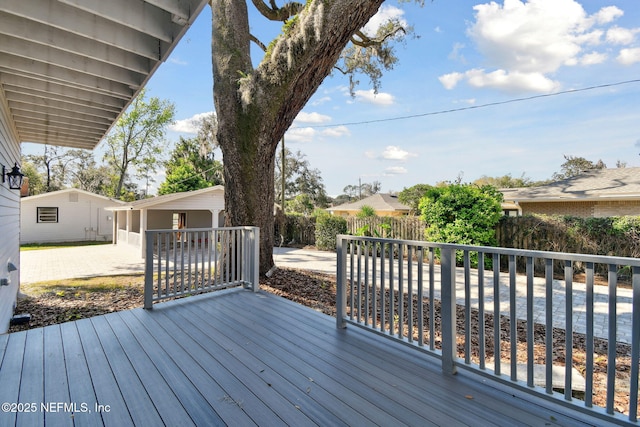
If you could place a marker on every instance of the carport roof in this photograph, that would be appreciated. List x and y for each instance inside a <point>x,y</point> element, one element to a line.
<point>154,201</point>
<point>69,68</point>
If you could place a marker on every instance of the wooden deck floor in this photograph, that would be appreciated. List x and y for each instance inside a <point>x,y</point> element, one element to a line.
<point>239,358</point>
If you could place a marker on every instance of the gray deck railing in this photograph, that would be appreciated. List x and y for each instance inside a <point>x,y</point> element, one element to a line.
<point>397,289</point>
<point>191,261</point>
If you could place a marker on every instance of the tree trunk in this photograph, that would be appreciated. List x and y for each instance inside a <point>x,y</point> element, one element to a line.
<point>255,107</point>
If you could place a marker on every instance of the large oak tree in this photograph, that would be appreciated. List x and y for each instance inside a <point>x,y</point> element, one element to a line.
<point>256,105</point>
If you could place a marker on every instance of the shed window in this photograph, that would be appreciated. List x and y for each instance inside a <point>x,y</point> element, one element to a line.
<point>47,215</point>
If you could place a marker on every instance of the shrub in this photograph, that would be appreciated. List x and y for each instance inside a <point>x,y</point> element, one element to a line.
<point>462,214</point>
<point>327,228</point>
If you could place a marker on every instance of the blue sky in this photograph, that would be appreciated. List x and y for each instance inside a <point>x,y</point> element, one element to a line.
<point>468,54</point>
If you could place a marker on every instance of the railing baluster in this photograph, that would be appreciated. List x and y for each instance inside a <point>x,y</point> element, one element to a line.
<point>513,319</point>
<point>635,344</point>
<point>432,300</point>
<point>530,322</point>
<point>467,306</point>
<point>548,271</point>
<point>391,292</point>
<point>568,311</point>
<point>481,323</point>
<point>589,336</point>
<point>367,299</point>
<point>359,283</point>
<point>374,289</point>
<point>383,306</point>
<point>420,296</point>
<point>400,291</point>
<point>611,353</point>
<point>410,292</point>
<point>496,314</point>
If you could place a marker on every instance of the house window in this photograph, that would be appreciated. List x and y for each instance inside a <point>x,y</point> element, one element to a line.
<point>47,215</point>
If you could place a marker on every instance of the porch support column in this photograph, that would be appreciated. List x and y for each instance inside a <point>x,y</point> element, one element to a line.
<point>143,229</point>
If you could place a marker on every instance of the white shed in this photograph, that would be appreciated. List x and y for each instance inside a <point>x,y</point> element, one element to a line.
<point>190,209</point>
<point>69,215</point>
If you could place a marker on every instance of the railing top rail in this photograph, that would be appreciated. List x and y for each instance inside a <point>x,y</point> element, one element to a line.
<point>184,230</point>
<point>601,259</point>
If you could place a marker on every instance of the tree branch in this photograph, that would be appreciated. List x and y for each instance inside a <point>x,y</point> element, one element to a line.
<point>275,13</point>
<point>366,41</point>
<point>258,42</point>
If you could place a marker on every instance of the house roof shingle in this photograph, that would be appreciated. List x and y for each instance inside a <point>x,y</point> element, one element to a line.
<point>379,202</point>
<point>597,184</point>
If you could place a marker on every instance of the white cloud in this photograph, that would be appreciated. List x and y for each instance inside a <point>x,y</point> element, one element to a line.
<point>177,61</point>
<point>514,81</point>
<point>607,14</point>
<point>371,97</point>
<point>395,170</point>
<point>385,13</point>
<point>593,58</point>
<point>393,152</point>
<point>525,41</point>
<point>316,118</point>
<point>621,36</point>
<point>321,101</point>
<point>449,81</point>
<point>189,125</point>
<point>629,56</point>
<point>336,132</point>
<point>296,134</point>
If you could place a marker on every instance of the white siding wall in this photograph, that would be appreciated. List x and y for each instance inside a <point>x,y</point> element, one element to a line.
<point>81,216</point>
<point>9,217</point>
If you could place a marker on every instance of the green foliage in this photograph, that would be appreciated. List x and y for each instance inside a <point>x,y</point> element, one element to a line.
<point>506,181</point>
<point>134,141</point>
<point>182,178</point>
<point>411,196</point>
<point>366,211</point>
<point>574,166</point>
<point>191,167</point>
<point>300,180</point>
<point>327,228</point>
<point>301,204</point>
<point>462,214</point>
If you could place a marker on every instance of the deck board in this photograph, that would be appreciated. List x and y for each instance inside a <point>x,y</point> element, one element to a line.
<point>243,358</point>
<point>54,383</point>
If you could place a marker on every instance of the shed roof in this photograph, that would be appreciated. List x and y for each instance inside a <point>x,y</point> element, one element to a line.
<point>596,184</point>
<point>379,202</point>
<point>69,190</point>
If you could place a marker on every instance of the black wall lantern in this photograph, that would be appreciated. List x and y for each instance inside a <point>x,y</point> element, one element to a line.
<point>15,177</point>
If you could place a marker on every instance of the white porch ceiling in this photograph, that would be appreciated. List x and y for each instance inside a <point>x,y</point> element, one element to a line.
<point>69,68</point>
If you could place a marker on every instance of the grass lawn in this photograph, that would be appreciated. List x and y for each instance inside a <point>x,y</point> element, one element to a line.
<point>53,245</point>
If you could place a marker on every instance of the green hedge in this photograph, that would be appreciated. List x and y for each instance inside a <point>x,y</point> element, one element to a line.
<point>327,228</point>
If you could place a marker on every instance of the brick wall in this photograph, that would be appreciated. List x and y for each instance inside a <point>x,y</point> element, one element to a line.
<point>583,209</point>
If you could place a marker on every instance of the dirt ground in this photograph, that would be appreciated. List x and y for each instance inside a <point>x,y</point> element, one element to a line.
<point>318,291</point>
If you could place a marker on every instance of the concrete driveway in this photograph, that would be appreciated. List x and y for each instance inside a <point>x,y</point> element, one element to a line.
<point>109,260</point>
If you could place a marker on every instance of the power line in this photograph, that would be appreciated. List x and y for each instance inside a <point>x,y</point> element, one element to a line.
<point>473,107</point>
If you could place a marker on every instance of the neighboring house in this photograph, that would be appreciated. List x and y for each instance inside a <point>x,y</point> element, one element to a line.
<point>595,193</point>
<point>382,204</point>
<point>66,216</point>
<point>190,209</point>
<point>69,70</point>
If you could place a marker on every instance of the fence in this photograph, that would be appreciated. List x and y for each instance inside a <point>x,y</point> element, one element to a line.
<point>519,330</point>
<point>191,261</point>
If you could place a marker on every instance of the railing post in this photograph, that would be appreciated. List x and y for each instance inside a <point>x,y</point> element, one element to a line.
<point>341,285</point>
<point>448,309</point>
<point>148,270</point>
<point>255,262</point>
